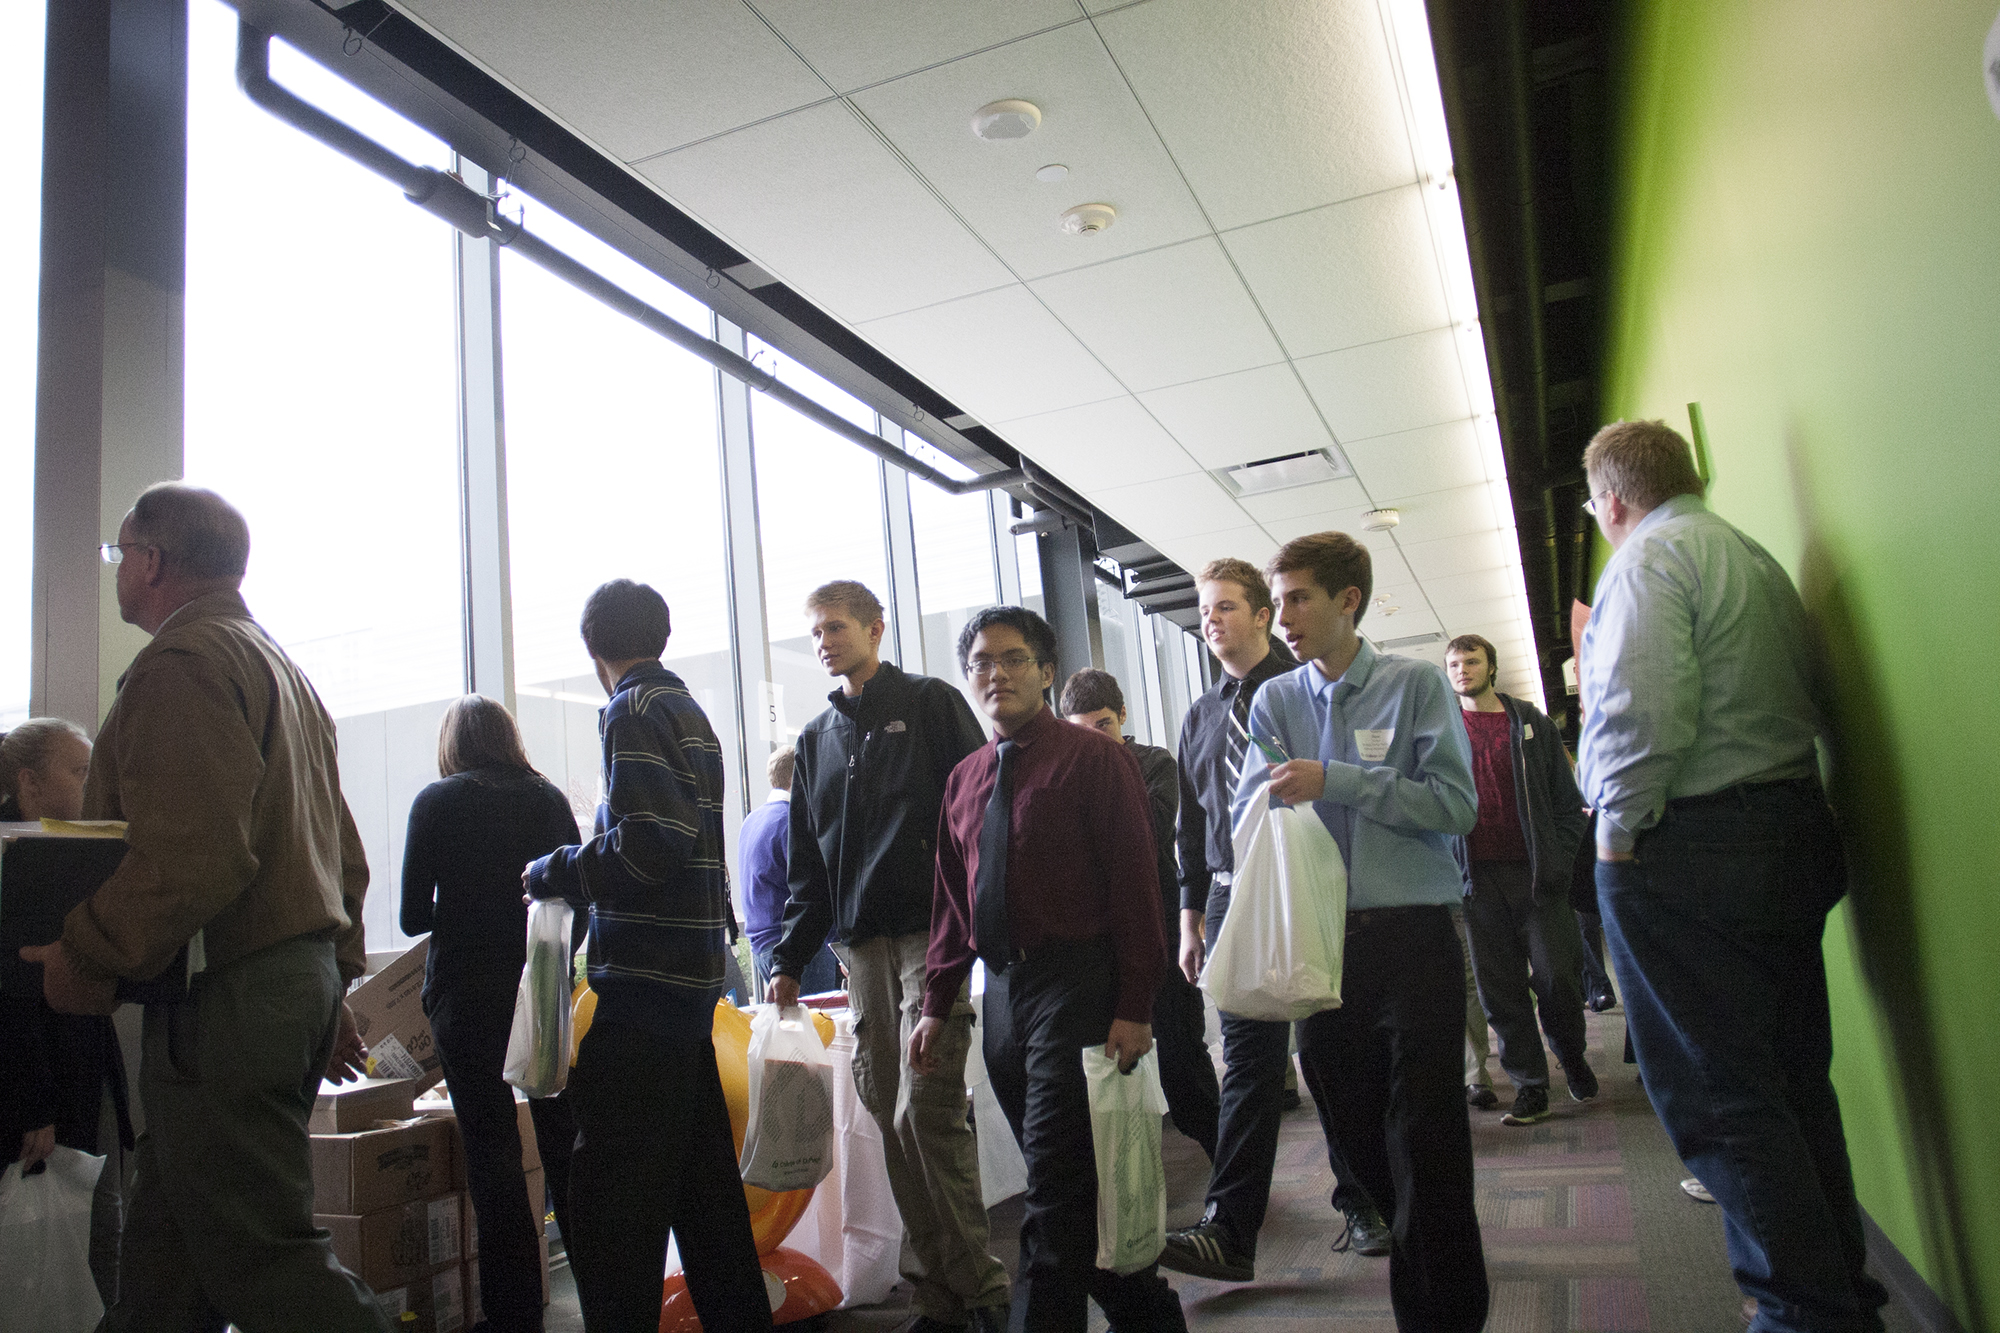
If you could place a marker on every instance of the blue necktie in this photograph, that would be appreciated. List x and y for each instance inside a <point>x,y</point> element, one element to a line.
<point>989,888</point>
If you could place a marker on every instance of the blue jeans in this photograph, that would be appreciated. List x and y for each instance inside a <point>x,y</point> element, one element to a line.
<point>821,974</point>
<point>1715,929</point>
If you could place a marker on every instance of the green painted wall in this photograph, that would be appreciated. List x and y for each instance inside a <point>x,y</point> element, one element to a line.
<point>1809,240</point>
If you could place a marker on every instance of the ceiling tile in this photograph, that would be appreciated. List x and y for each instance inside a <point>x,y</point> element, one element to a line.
<point>1455,590</point>
<point>1090,124</point>
<point>1163,317</point>
<point>632,79</point>
<point>1191,553</point>
<point>1101,445</point>
<point>1440,514</point>
<point>998,355</point>
<point>865,41</point>
<point>1268,108</point>
<point>1382,387</point>
<point>1239,418</point>
<point>1343,493</point>
<point>1498,610</point>
<point>1349,273</point>
<point>1417,462</point>
<point>1461,555</point>
<point>830,210</point>
<point>1326,520</point>
<point>1172,507</point>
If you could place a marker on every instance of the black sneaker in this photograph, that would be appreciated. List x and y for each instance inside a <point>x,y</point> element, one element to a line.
<point>1207,1251</point>
<point>1480,1097</point>
<point>1366,1233</point>
<point>1530,1106</point>
<point>1582,1082</point>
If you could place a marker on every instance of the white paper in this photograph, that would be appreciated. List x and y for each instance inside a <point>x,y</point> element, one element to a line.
<point>1373,743</point>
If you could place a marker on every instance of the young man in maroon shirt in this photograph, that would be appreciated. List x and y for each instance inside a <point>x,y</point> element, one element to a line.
<point>1045,872</point>
<point>1522,933</point>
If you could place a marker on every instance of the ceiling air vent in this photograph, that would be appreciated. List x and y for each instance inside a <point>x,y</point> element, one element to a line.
<point>1283,473</point>
<point>1412,641</point>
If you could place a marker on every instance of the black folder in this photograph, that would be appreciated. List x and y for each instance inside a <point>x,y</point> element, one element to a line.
<point>42,876</point>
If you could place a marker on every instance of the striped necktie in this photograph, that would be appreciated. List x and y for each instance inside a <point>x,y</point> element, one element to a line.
<point>1239,733</point>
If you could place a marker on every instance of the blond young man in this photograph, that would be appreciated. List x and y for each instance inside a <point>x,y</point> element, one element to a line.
<point>868,782</point>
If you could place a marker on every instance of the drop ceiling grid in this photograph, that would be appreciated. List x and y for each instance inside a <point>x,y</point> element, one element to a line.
<point>1167,394</point>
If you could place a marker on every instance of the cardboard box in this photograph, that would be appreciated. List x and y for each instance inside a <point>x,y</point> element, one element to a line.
<point>438,1303</point>
<point>438,1103</point>
<point>389,1013</point>
<point>537,1208</point>
<point>349,1108</point>
<point>399,1246</point>
<point>362,1173</point>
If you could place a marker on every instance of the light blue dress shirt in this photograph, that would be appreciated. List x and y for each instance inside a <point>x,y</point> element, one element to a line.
<point>1398,771</point>
<point>1697,671</point>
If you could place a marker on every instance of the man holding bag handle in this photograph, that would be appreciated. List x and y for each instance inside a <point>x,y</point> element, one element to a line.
<point>1045,872</point>
<point>1388,768</point>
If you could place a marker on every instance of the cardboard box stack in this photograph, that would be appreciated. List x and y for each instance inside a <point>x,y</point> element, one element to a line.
<point>387,1183</point>
<point>537,1196</point>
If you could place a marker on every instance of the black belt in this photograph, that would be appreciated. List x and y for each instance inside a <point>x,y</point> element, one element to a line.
<point>1093,944</point>
<point>1740,793</point>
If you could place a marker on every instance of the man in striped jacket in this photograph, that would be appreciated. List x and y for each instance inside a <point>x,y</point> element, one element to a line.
<point>653,1151</point>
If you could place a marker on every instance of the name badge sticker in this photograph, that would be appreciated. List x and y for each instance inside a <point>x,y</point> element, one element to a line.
<point>895,726</point>
<point>1373,743</point>
<point>1527,731</point>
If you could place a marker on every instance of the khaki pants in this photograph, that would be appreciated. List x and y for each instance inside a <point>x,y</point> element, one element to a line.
<point>932,1160</point>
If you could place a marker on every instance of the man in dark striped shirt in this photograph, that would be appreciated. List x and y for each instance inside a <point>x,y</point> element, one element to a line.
<point>653,1151</point>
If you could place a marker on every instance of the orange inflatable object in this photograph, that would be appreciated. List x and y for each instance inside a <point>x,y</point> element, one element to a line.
<point>772,1216</point>
<point>797,1287</point>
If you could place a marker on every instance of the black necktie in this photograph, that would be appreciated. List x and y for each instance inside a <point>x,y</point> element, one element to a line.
<point>989,888</point>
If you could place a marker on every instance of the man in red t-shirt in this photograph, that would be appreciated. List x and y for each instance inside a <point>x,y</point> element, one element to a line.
<point>1519,925</point>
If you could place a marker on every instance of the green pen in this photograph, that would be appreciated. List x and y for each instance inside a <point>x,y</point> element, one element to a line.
<point>1274,753</point>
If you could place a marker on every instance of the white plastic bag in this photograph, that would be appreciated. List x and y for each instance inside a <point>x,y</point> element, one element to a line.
<point>1277,956</point>
<point>538,1049</point>
<point>45,1281</point>
<point>788,1144</point>
<point>1125,1111</point>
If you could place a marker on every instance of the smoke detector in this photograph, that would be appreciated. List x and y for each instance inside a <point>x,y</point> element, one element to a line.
<point>1009,118</point>
<point>1380,520</point>
<point>1089,219</point>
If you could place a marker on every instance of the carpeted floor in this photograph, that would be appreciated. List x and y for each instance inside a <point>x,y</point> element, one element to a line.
<point>1585,1227</point>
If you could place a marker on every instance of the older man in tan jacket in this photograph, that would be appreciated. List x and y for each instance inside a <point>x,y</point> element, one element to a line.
<point>242,887</point>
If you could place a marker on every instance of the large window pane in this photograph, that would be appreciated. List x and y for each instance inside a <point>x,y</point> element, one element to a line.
<point>1118,623</point>
<point>321,365</point>
<point>20,281</point>
<point>955,577</point>
<point>613,471</point>
<point>819,515</point>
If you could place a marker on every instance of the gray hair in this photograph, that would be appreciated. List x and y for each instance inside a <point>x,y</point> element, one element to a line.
<point>196,528</point>
<point>29,745</point>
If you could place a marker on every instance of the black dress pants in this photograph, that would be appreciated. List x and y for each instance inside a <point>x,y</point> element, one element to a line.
<point>1040,1014</point>
<point>1187,1075</point>
<point>653,1156</point>
<point>1390,1061</point>
<point>470,1025</point>
<point>1254,1055</point>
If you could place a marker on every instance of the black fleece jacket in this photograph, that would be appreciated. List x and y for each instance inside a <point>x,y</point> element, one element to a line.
<point>867,784</point>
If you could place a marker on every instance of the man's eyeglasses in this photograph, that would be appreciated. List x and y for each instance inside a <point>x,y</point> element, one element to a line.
<point>1011,662</point>
<point>114,552</point>
<point>1590,505</point>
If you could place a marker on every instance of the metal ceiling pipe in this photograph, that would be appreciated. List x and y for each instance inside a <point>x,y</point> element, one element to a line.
<point>1490,144</point>
<point>449,198</point>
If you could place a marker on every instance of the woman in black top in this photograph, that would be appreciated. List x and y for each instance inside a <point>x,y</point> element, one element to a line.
<point>470,836</point>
